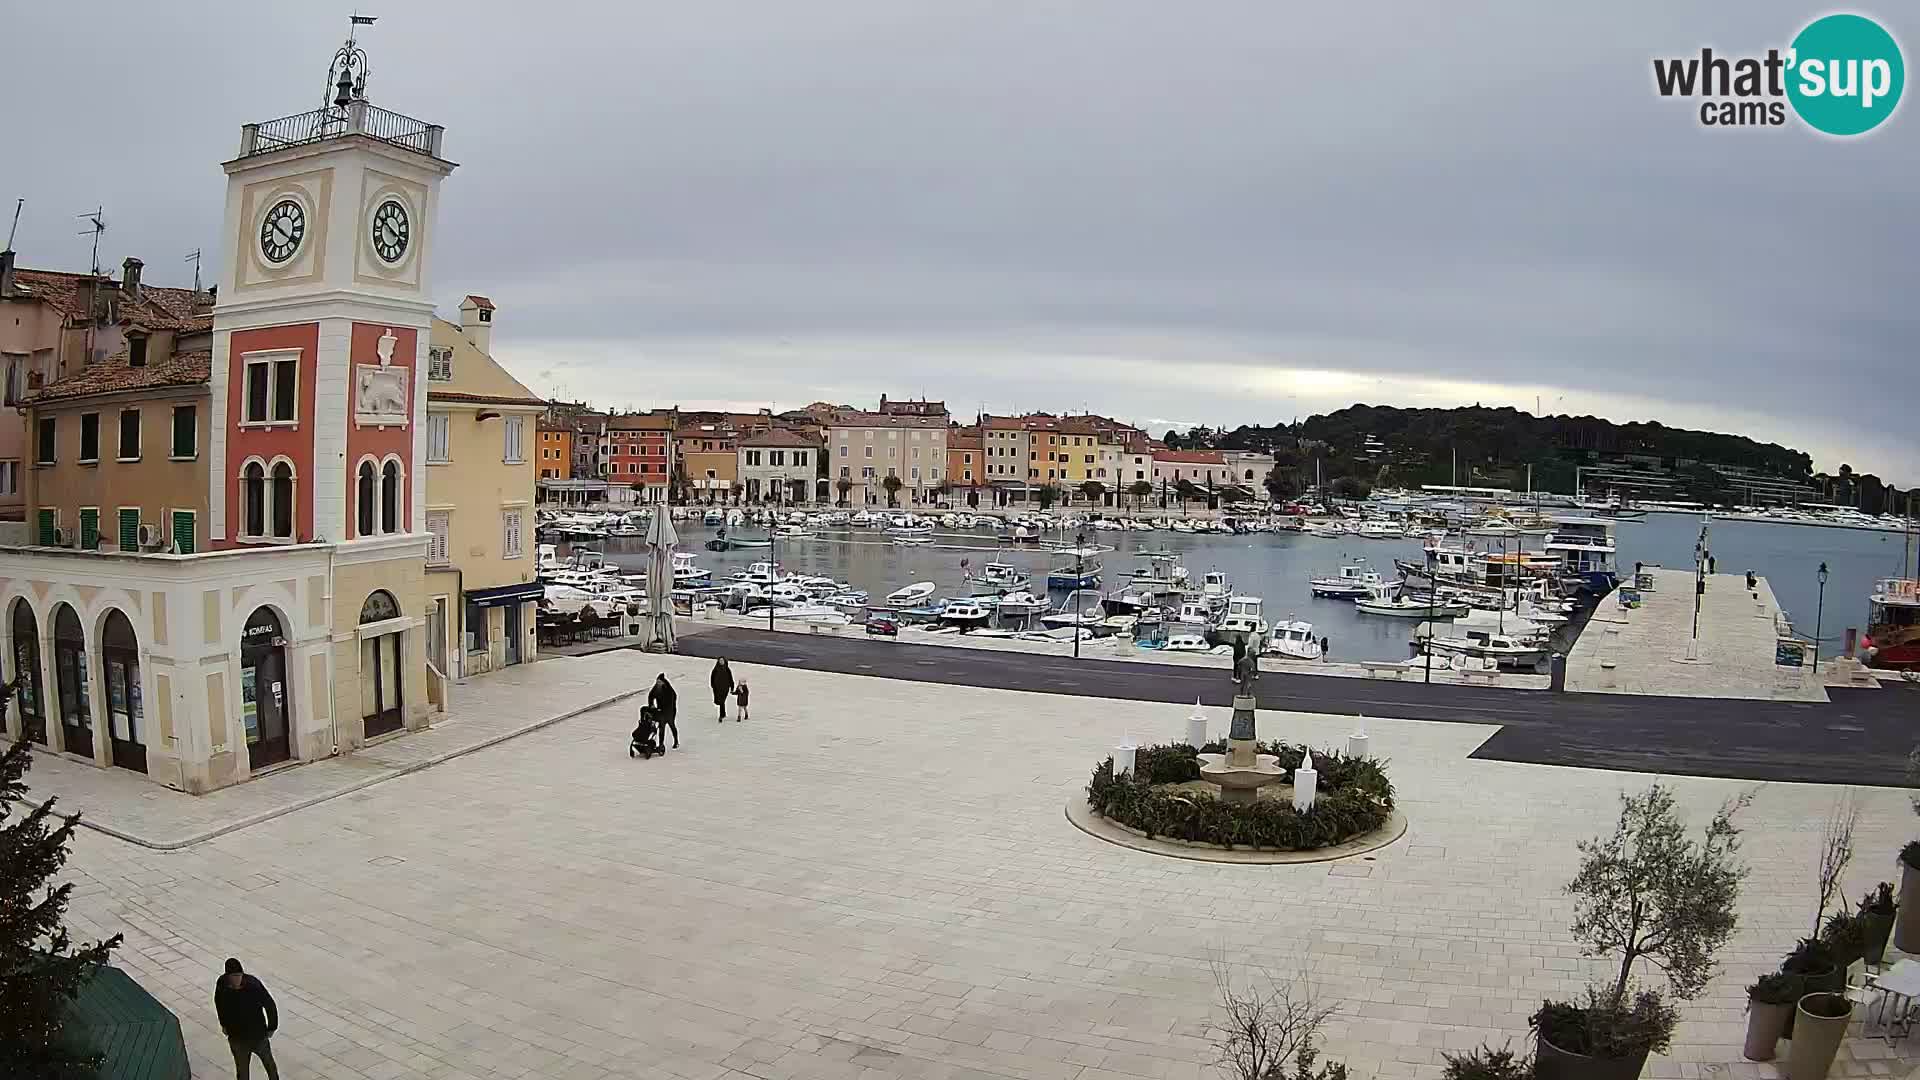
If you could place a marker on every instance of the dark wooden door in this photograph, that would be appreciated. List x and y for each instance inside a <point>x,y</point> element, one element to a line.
<point>76,718</point>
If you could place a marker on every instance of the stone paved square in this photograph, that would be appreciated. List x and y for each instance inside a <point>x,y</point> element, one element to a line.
<point>875,879</point>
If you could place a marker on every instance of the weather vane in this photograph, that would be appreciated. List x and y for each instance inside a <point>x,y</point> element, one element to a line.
<point>347,74</point>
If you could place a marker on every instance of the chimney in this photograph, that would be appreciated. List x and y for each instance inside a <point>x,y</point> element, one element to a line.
<point>6,272</point>
<point>476,322</point>
<point>130,278</point>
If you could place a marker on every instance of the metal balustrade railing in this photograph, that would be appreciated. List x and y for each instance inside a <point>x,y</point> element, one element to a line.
<point>359,118</point>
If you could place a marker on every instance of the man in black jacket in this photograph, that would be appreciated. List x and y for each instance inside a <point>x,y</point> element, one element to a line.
<point>248,1016</point>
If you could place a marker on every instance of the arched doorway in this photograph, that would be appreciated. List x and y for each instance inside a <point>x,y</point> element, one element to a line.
<point>266,699</point>
<point>70,677</point>
<point>380,668</point>
<point>120,669</point>
<point>26,669</point>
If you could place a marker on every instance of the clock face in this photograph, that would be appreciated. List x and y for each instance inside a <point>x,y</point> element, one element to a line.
<point>282,230</point>
<point>390,231</point>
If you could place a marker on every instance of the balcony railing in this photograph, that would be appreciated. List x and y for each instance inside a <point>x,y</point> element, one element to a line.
<point>358,118</point>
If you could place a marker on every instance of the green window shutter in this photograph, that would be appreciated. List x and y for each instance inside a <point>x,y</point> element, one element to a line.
<point>183,531</point>
<point>48,520</point>
<point>129,530</point>
<point>89,530</point>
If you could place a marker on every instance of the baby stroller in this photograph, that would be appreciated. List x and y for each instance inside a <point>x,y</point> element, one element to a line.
<point>645,741</point>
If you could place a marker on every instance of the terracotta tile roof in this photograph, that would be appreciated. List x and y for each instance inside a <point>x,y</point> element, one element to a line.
<point>481,302</point>
<point>663,421</point>
<point>965,438</point>
<point>483,399</point>
<point>779,437</point>
<point>880,420</point>
<point>159,308</point>
<point>113,376</point>
<point>1190,457</point>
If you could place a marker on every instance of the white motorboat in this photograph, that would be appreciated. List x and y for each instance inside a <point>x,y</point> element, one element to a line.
<point>911,595</point>
<point>965,612</point>
<point>1075,568</point>
<point>1018,602</point>
<point>862,519</point>
<point>685,573</point>
<point>1160,576</point>
<point>1351,583</point>
<point>1080,608</point>
<point>911,539</point>
<point>1391,601</point>
<point>1215,588</point>
<point>574,601</point>
<point>714,517</point>
<point>997,577</point>
<point>1195,612</point>
<point>1378,530</point>
<point>760,573</point>
<point>1503,649</point>
<point>1187,641</point>
<point>1243,615</point>
<point>1293,639</point>
<point>818,614</point>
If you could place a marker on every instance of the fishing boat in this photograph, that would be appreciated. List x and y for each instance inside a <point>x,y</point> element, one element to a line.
<point>1080,608</point>
<point>1505,650</point>
<point>1351,583</point>
<point>1074,568</point>
<point>1195,613</point>
<point>910,595</point>
<point>1893,624</point>
<point>685,573</point>
<point>1215,588</point>
<point>1129,601</point>
<point>1585,549</point>
<point>997,577</point>
<point>1160,576</point>
<point>1293,639</point>
<point>1018,602</point>
<point>759,573</point>
<point>965,612</point>
<point>1243,616</point>
<point>1391,600</point>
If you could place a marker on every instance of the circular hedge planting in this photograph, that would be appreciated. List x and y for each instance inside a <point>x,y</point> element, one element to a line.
<point>1353,798</point>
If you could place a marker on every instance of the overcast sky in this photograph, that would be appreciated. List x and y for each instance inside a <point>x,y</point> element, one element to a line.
<point>1217,212</point>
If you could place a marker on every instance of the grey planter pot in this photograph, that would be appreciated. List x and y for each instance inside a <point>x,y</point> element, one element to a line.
<point>1906,919</point>
<point>1816,1038</point>
<point>1879,928</point>
<point>1765,1025</point>
<point>1553,1063</point>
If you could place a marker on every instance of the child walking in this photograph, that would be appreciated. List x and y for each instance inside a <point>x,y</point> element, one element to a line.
<point>740,697</point>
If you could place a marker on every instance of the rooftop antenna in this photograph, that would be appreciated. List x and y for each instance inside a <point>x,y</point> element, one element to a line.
<point>194,258</point>
<point>17,204</point>
<point>96,224</point>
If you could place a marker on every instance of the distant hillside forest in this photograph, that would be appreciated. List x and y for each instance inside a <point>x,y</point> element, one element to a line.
<point>1363,446</point>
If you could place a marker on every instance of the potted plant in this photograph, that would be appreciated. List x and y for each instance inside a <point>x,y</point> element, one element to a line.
<point>1649,892</point>
<point>1487,1063</point>
<point>1877,909</point>
<point>1817,968</point>
<point>1770,1001</point>
<point>1822,1023</point>
<point>1906,924</point>
<point>1846,934</point>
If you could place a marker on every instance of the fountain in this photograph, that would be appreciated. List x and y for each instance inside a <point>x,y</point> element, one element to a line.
<point>1240,773</point>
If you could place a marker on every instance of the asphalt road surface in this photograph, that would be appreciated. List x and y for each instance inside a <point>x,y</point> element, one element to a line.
<point>1862,737</point>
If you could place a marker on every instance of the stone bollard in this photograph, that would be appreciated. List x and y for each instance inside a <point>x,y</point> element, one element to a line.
<point>1123,759</point>
<point>1306,781</point>
<point>1357,742</point>
<point>1197,727</point>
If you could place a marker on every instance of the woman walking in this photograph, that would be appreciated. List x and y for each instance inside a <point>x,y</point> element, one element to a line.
<point>662,701</point>
<point>722,685</point>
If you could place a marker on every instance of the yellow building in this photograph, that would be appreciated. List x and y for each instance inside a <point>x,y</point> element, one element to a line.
<point>706,454</point>
<point>481,589</point>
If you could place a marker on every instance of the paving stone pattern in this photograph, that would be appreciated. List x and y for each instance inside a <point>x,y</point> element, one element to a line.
<point>873,879</point>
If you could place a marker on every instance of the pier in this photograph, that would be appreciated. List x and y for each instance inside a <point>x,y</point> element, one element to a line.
<point>1651,649</point>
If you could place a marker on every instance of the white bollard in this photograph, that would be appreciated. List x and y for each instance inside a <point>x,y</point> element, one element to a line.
<point>1197,727</point>
<point>1357,742</point>
<point>1306,781</point>
<point>1123,758</point>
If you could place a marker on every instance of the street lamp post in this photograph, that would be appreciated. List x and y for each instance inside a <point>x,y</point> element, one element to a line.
<point>1819,613</point>
<point>1078,620</point>
<point>773,574</point>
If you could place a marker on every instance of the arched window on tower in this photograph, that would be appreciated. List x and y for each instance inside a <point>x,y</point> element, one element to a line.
<point>364,497</point>
<point>390,498</point>
<point>283,501</point>
<point>253,495</point>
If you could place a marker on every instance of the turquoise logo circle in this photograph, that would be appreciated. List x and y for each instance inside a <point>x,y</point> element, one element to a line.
<point>1846,75</point>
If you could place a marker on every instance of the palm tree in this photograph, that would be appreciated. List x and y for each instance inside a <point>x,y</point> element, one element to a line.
<point>893,485</point>
<point>843,485</point>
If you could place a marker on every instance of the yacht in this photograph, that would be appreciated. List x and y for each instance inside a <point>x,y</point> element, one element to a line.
<point>1293,639</point>
<point>1074,568</point>
<point>1585,549</point>
<point>1243,614</point>
<point>911,595</point>
<point>1352,583</point>
<point>965,613</point>
<point>997,577</point>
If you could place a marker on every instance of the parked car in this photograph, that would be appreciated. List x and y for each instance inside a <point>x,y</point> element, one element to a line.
<point>881,624</point>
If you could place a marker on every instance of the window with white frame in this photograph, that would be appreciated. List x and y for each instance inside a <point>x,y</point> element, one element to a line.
<point>510,540</point>
<point>438,434</point>
<point>272,389</point>
<point>439,523</point>
<point>516,434</point>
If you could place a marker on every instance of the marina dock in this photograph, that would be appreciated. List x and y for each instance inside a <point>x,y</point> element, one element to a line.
<point>1650,649</point>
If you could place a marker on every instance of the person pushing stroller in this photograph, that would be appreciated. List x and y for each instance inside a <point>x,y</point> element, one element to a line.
<point>656,719</point>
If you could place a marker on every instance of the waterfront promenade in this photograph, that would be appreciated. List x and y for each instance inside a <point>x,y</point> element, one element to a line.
<point>1651,649</point>
<point>873,879</point>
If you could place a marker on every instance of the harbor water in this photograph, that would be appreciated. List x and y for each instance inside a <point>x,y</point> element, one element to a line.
<point>1277,566</point>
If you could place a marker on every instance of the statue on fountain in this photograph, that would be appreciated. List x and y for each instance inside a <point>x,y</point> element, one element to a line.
<point>1242,771</point>
<point>1246,663</point>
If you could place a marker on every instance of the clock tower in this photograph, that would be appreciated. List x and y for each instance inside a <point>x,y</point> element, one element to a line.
<point>318,380</point>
